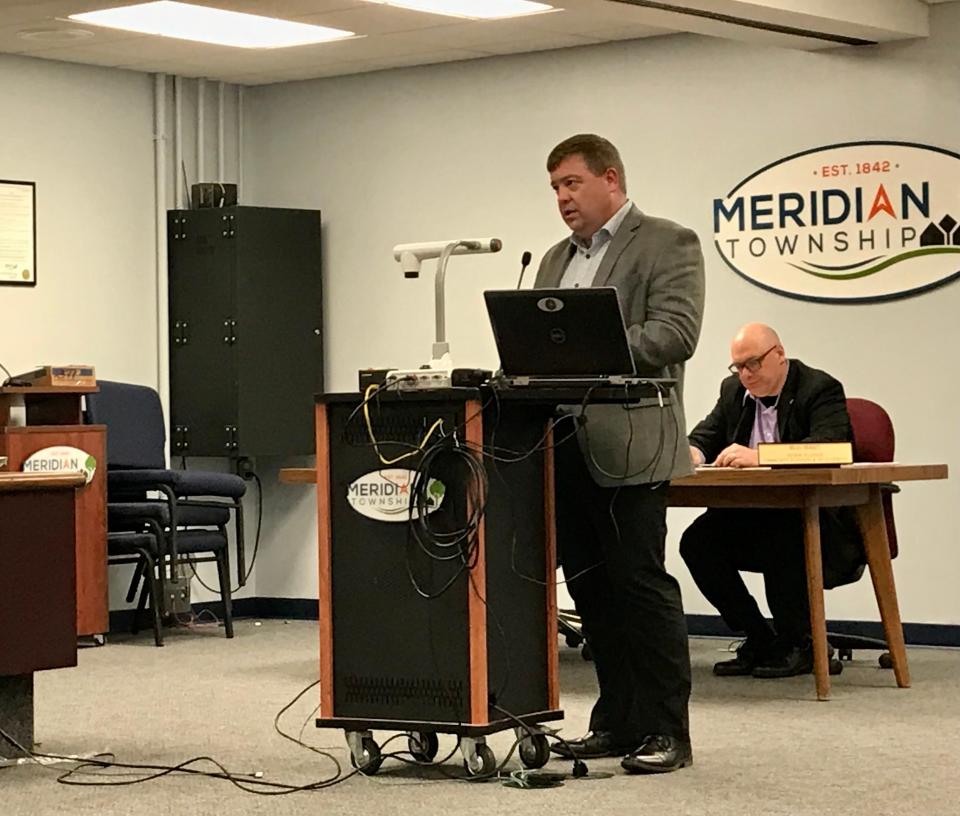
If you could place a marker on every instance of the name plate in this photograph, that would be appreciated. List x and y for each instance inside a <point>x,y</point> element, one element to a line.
<point>804,454</point>
<point>61,376</point>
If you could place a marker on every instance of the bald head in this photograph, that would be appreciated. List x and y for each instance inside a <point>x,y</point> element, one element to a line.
<point>759,359</point>
<point>756,334</point>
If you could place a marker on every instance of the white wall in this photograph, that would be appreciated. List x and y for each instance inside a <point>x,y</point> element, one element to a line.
<point>458,150</point>
<point>85,135</point>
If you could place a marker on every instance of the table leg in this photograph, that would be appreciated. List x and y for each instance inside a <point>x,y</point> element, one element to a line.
<point>874,529</point>
<point>16,714</point>
<point>818,621</point>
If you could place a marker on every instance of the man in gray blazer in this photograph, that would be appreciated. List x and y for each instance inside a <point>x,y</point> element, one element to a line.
<point>611,485</point>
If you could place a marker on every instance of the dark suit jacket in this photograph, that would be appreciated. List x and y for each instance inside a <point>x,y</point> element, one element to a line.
<point>657,269</point>
<point>812,408</point>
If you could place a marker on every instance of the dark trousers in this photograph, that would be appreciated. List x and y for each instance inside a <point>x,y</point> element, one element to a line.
<point>722,543</point>
<point>611,543</point>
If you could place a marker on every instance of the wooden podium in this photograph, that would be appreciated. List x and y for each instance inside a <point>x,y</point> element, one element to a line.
<point>477,657</point>
<point>38,610</point>
<point>424,643</point>
<point>53,418</point>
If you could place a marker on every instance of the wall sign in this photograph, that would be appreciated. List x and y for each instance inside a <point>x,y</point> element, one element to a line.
<point>849,223</point>
<point>61,459</point>
<point>18,233</point>
<point>384,495</point>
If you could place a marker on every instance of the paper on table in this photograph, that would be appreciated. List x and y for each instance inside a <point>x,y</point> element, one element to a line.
<point>719,467</point>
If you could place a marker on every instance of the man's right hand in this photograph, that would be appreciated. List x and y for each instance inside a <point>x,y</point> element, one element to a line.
<point>737,456</point>
<point>697,457</point>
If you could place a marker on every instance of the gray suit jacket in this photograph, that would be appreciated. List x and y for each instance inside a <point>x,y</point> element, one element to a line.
<point>657,268</point>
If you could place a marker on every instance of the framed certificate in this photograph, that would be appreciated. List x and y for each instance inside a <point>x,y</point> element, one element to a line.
<point>18,233</point>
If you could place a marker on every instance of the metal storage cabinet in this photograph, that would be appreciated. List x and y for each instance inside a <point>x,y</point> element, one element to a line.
<point>246,335</point>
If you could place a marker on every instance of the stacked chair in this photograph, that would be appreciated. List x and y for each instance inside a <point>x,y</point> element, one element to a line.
<point>158,518</point>
<point>142,549</point>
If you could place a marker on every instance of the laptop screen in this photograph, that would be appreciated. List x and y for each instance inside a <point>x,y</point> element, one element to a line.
<point>559,332</point>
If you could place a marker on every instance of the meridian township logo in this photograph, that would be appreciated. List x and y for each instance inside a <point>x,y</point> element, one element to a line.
<point>853,222</point>
<point>385,495</point>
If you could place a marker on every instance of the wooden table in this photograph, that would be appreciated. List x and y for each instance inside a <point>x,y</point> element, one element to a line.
<point>809,489</point>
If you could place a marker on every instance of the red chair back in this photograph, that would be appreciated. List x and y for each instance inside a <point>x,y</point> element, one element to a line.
<point>873,441</point>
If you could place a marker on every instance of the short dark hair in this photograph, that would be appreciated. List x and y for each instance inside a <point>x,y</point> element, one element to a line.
<point>597,152</point>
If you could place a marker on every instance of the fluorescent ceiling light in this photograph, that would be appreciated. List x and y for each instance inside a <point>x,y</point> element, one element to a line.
<point>184,21</point>
<point>473,9</point>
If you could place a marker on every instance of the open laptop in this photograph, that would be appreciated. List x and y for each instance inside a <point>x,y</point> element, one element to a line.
<point>557,337</point>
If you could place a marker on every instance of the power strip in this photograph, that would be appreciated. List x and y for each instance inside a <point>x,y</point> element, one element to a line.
<point>417,379</point>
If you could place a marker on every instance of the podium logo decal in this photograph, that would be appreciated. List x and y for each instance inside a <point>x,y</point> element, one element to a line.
<point>62,459</point>
<point>384,495</point>
<point>847,223</point>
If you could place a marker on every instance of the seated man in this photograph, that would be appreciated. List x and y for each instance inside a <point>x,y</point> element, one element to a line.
<point>769,398</point>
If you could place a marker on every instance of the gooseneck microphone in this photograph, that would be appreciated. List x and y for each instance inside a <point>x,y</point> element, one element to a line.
<point>524,263</point>
<point>411,255</point>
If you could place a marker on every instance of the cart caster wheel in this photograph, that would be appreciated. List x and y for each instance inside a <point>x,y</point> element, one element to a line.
<point>836,666</point>
<point>423,746</point>
<point>586,652</point>
<point>845,654</point>
<point>481,763</point>
<point>885,660</point>
<point>534,751</point>
<point>371,760</point>
<point>573,641</point>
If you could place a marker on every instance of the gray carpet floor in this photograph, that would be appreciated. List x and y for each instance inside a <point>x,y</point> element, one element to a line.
<point>761,747</point>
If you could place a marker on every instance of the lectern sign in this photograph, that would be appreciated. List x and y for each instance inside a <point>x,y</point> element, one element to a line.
<point>852,222</point>
<point>384,495</point>
<point>62,459</point>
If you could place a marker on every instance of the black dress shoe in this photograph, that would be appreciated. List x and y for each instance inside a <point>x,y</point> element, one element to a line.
<point>787,662</point>
<point>750,654</point>
<point>594,745</point>
<point>659,754</point>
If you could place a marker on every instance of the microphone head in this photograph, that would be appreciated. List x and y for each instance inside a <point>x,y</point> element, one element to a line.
<point>526,258</point>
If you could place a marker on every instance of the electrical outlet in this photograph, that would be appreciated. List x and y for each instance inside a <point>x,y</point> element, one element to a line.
<point>178,594</point>
<point>245,467</point>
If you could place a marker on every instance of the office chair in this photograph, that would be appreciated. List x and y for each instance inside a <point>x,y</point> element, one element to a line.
<point>194,507</point>
<point>873,441</point>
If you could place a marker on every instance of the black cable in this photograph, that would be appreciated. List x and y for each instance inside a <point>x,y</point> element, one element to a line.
<point>10,380</point>
<point>579,766</point>
<point>256,544</point>
<point>242,781</point>
<point>539,446</point>
<point>256,540</point>
<point>654,461</point>
<point>294,740</point>
<point>245,782</point>
<point>373,395</point>
<point>463,543</point>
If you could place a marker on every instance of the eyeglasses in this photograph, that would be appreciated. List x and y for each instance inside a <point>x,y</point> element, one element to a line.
<point>752,365</point>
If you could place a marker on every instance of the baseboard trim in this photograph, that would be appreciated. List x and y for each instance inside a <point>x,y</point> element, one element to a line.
<point>915,634</point>
<point>288,608</point>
